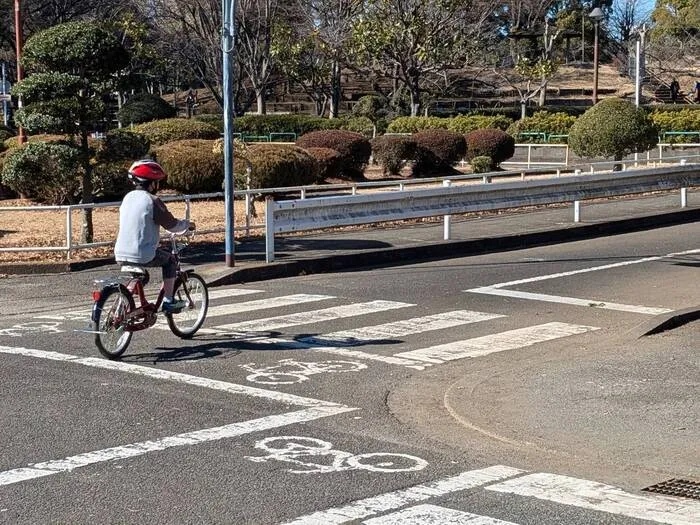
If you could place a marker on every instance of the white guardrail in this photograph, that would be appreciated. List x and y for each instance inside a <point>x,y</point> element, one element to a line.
<point>349,189</point>
<point>327,212</point>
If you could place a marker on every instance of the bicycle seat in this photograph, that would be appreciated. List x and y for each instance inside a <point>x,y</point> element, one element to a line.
<point>127,268</point>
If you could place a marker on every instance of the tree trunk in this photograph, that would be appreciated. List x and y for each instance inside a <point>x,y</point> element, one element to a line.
<point>335,90</point>
<point>260,99</point>
<point>543,92</point>
<point>86,232</point>
<point>523,109</point>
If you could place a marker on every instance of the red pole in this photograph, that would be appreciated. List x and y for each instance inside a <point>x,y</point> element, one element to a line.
<point>21,138</point>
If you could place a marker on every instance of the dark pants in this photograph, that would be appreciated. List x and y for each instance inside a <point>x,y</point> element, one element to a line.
<point>163,259</point>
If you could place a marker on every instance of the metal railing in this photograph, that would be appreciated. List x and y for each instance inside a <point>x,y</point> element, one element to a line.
<point>329,212</point>
<point>249,196</point>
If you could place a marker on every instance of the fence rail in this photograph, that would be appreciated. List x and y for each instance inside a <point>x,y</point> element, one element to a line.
<point>249,196</point>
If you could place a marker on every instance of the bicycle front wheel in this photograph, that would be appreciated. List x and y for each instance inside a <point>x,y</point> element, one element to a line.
<point>193,290</point>
<point>109,321</point>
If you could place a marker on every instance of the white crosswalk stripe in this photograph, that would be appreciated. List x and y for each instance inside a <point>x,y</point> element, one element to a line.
<point>434,515</point>
<point>315,316</point>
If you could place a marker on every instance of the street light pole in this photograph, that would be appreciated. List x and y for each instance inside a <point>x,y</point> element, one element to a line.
<point>21,137</point>
<point>228,8</point>
<point>597,15</point>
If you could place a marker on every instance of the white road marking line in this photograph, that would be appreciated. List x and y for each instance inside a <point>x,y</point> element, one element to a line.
<point>591,269</point>
<point>68,464</point>
<point>167,375</point>
<point>600,497</point>
<point>314,316</point>
<point>499,342</point>
<point>231,292</point>
<point>371,506</point>
<point>649,310</point>
<point>402,328</point>
<point>250,306</point>
<point>433,515</point>
<point>286,344</point>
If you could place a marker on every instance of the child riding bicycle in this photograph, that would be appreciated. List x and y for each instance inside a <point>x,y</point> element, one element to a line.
<point>141,215</point>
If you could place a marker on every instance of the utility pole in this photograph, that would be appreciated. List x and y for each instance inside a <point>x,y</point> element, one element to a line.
<point>228,33</point>
<point>21,137</point>
<point>3,83</point>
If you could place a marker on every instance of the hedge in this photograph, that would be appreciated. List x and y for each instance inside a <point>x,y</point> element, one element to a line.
<point>144,107</point>
<point>436,151</point>
<point>163,131</point>
<point>329,162</point>
<point>680,120</point>
<point>355,150</point>
<point>277,166</point>
<point>192,165</point>
<point>493,143</point>
<point>542,121</point>
<point>392,152</point>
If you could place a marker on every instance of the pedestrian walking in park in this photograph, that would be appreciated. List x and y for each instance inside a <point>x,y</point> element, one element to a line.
<point>675,88</point>
<point>190,102</point>
<point>696,92</point>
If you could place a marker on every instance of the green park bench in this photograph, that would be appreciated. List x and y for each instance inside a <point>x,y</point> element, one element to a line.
<point>255,138</point>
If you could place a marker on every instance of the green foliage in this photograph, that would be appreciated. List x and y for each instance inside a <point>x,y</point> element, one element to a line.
<point>416,124</point>
<point>492,143</point>
<point>46,172</point>
<point>121,144</point>
<point>392,152</point>
<point>163,131</point>
<point>682,120</point>
<point>145,107</point>
<point>192,165</point>
<point>481,164</point>
<point>86,49</point>
<point>110,181</point>
<point>354,149</point>
<point>277,166</point>
<point>542,121</point>
<point>13,142</point>
<point>437,150</point>
<point>213,119</point>
<point>266,124</point>
<point>372,107</point>
<point>466,123</point>
<point>329,162</point>
<point>361,125</point>
<point>612,128</point>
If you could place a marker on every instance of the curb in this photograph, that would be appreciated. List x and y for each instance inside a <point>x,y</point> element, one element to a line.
<point>446,249</point>
<point>664,322</point>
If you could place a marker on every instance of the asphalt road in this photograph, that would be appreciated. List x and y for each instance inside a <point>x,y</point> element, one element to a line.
<point>502,388</point>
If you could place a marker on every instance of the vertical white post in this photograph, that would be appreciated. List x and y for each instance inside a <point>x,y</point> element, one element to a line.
<point>269,229</point>
<point>566,158</point>
<point>188,210</point>
<point>402,186</point>
<point>684,197</point>
<point>577,211</point>
<point>522,175</point>
<point>529,155</point>
<point>558,173</point>
<point>448,218</point>
<point>354,189</point>
<point>248,203</point>
<point>303,193</point>
<point>69,232</point>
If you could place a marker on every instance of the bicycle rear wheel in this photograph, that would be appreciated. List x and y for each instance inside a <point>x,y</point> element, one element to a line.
<point>194,292</point>
<point>109,321</point>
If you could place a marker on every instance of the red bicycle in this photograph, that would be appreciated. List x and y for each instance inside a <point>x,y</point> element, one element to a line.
<point>115,316</point>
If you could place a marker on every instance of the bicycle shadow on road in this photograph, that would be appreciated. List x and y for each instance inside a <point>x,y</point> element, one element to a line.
<point>223,346</point>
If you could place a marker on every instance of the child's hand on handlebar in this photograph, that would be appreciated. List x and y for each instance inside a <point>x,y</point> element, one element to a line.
<point>192,226</point>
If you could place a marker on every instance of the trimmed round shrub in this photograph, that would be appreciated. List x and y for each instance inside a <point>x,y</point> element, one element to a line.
<point>466,123</point>
<point>437,150</point>
<point>121,144</point>
<point>192,165</point>
<point>163,131</point>
<point>299,124</point>
<point>328,160</point>
<point>481,164</point>
<point>392,152</point>
<point>277,166</point>
<point>45,172</point>
<point>544,122</point>
<point>361,125</point>
<point>13,142</point>
<point>110,181</point>
<point>5,133</point>
<point>354,149</point>
<point>612,128</point>
<point>144,107</point>
<point>493,143</point>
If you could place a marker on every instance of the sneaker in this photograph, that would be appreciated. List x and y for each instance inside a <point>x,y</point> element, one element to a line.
<point>173,307</point>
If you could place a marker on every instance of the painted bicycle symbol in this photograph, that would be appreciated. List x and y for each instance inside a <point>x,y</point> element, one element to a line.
<point>35,326</point>
<point>304,453</point>
<point>289,371</point>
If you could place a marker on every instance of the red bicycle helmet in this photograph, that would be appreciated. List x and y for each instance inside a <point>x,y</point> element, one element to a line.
<point>146,171</point>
